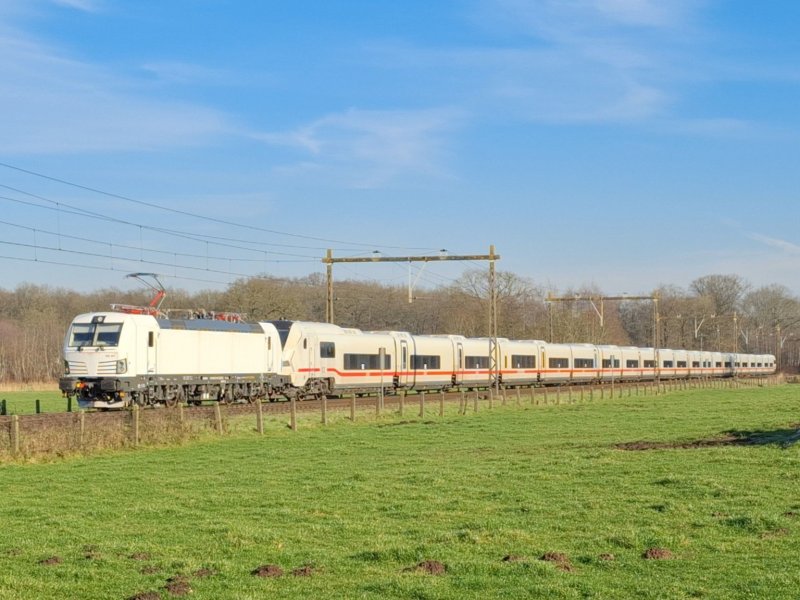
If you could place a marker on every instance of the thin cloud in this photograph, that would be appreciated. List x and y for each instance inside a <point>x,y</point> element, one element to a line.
<point>51,103</point>
<point>783,245</point>
<point>371,146</point>
<point>82,5</point>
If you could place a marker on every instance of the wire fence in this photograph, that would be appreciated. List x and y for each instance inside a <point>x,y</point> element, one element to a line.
<point>29,436</point>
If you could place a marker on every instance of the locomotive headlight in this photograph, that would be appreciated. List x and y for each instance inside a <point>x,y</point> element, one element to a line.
<point>122,366</point>
<point>66,367</point>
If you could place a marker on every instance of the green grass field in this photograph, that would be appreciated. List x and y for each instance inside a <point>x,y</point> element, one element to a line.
<point>363,504</point>
<point>24,403</point>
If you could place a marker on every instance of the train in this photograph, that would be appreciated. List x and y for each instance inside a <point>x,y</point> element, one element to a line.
<point>116,359</point>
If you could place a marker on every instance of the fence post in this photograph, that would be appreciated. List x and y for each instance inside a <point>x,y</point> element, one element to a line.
<point>402,402</point>
<point>533,396</point>
<point>218,416</point>
<point>491,397</point>
<point>180,413</point>
<point>3,407</point>
<point>462,404</point>
<point>441,403</point>
<point>69,403</point>
<point>377,406</point>
<point>503,392</point>
<point>519,399</point>
<point>475,401</point>
<point>353,408</point>
<point>38,406</point>
<point>82,428</point>
<point>293,413</point>
<point>545,396</point>
<point>591,393</point>
<point>558,394</point>
<point>259,417</point>
<point>135,417</point>
<point>15,434</point>
<point>324,401</point>
<point>422,404</point>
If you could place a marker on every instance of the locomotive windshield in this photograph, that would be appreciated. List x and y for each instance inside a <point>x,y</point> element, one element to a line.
<point>100,335</point>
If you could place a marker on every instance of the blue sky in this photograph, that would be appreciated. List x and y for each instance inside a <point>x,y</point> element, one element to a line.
<point>620,143</point>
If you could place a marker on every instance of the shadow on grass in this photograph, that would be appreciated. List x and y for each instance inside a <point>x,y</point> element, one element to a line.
<point>784,438</point>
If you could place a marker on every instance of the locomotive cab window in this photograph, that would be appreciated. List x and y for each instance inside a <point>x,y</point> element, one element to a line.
<point>95,334</point>
<point>327,350</point>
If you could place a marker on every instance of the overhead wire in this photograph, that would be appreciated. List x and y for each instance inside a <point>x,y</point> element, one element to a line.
<point>197,215</point>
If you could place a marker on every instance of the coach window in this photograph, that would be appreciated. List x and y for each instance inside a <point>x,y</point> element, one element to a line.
<point>667,364</point>
<point>559,363</point>
<point>476,362</point>
<point>584,363</point>
<point>632,364</point>
<point>327,350</point>
<point>520,361</point>
<point>151,339</point>
<point>607,363</point>
<point>421,361</point>
<point>681,364</point>
<point>649,364</point>
<point>728,365</point>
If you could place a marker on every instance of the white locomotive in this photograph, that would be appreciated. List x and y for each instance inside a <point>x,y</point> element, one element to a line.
<point>115,359</point>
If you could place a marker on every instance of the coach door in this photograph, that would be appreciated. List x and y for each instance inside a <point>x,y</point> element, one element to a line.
<point>403,370</point>
<point>270,358</point>
<point>459,366</point>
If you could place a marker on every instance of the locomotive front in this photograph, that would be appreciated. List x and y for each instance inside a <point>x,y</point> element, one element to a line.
<point>99,362</point>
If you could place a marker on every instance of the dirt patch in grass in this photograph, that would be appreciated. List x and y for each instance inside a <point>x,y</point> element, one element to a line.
<point>145,596</point>
<point>139,556</point>
<point>304,571</point>
<point>51,560</point>
<point>178,586</point>
<point>706,443</point>
<point>775,533</point>
<point>784,436</point>
<point>607,557</point>
<point>559,559</point>
<point>204,572</point>
<point>429,567</point>
<point>791,514</point>
<point>149,570</point>
<point>513,558</point>
<point>657,554</point>
<point>267,571</point>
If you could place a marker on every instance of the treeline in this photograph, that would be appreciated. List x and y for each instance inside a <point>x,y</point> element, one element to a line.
<point>713,312</point>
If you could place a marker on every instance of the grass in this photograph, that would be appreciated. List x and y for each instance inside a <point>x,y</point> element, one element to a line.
<point>363,504</point>
<point>24,402</point>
